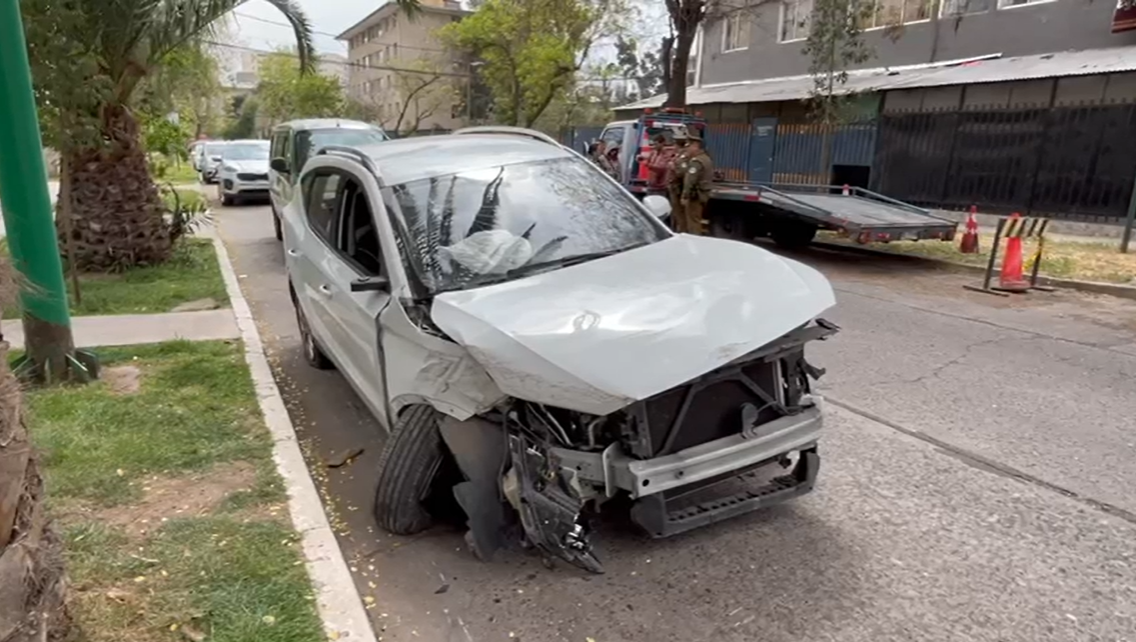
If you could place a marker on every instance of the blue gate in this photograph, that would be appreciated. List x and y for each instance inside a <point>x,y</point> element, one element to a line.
<point>762,143</point>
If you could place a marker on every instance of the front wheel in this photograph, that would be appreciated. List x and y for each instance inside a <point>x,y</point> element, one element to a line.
<point>416,473</point>
<point>227,200</point>
<point>793,235</point>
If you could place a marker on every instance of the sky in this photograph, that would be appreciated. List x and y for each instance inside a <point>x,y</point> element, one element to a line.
<point>258,25</point>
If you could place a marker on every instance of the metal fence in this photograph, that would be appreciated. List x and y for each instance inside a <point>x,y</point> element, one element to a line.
<point>1074,163</point>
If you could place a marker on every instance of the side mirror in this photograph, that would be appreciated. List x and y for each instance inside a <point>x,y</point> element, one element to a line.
<point>657,205</point>
<point>278,164</point>
<point>371,284</point>
<point>216,158</point>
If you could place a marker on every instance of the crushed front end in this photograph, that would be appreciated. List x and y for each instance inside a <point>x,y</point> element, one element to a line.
<point>741,437</point>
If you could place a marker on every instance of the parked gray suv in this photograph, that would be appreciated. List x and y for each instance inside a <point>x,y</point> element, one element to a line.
<point>294,142</point>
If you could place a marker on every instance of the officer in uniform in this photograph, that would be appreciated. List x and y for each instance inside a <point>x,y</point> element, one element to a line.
<point>696,179</point>
<point>675,173</point>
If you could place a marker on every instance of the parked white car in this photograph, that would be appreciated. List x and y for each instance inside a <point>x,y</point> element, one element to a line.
<point>538,342</point>
<point>243,173</point>
<point>210,160</point>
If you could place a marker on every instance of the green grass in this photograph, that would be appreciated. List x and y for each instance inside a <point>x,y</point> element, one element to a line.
<point>192,273</point>
<point>166,171</point>
<point>233,581</point>
<point>232,574</point>
<point>1063,258</point>
<point>196,408</point>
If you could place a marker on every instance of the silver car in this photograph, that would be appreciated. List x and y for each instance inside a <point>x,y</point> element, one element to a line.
<point>243,173</point>
<point>210,161</point>
<point>537,342</point>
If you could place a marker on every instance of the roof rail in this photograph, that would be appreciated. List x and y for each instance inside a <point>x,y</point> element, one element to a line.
<point>344,150</point>
<point>513,131</point>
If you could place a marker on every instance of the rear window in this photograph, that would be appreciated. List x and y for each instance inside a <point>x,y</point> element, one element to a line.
<point>312,140</point>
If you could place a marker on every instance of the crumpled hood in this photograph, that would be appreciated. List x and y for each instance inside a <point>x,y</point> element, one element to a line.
<point>598,336</point>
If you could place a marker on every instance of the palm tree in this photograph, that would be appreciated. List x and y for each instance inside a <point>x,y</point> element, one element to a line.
<point>117,215</point>
<point>30,552</point>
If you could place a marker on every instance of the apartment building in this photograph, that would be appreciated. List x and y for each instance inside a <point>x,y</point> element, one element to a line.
<point>397,66</point>
<point>766,39</point>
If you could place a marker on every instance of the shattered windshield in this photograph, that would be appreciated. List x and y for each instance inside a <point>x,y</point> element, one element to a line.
<point>501,223</point>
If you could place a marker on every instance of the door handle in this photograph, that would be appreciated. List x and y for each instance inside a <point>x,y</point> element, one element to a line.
<point>325,290</point>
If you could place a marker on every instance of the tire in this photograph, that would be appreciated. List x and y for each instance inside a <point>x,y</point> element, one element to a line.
<point>729,226</point>
<point>416,472</point>
<point>793,235</point>
<point>226,200</point>
<point>313,353</point>
<point>277,227</point>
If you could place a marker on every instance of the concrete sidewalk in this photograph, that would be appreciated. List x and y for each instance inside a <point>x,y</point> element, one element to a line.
<point>129,329</point>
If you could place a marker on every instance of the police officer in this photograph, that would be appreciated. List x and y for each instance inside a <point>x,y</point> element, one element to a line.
<point>696,179</point>
<point>675,174</point>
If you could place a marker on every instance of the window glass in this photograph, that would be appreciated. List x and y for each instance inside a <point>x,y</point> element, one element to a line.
<point>246,151</point>
<point>795,19</point>
<point>359,238</point>
<point>320,198</point>
<point>735,31</point>
<point>501,223</point>
<point>310,141</point>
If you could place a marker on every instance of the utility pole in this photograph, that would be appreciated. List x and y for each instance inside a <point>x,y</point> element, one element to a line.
<point>49,347</point>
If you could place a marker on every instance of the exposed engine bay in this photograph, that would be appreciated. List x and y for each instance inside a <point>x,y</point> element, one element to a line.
<point>695,454</point>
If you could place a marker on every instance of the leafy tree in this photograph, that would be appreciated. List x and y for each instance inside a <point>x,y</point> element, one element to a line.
<point>285,93</point>
<point>244,126</point>
<point>644,68</point>
<point>418,93</point>
<point>91,58</point>
<point>531,49</point>
<point>835,44</point>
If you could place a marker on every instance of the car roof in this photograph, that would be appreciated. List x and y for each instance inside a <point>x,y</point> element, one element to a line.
<point>247,141</point>
<point>410,159</point>
<point>324,123</point>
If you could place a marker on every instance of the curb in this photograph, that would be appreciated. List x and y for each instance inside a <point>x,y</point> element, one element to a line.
<point>338,600</point>
<point>1094,287</point>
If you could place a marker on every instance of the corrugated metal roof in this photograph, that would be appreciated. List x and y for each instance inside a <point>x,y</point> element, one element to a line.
<point>985,69</point>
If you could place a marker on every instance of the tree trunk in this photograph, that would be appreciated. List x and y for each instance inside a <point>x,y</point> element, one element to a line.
<point>117,215</point>
<point>676,89</point>
<point>32,581</point>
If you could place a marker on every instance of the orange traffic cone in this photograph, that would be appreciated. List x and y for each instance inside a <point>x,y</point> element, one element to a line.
<point>1011,277</point>
<point>969,243</point>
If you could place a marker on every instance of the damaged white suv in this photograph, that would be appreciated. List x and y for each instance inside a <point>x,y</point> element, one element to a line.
<point>538,342</point>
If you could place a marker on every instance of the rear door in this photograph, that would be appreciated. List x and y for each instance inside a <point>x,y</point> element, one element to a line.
<point>337,244</point>
<point>309,236</point>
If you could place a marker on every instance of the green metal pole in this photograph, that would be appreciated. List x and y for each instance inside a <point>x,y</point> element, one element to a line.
<point>24,198</point>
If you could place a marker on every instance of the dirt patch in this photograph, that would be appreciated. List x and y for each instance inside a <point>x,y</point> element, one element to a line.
<point>123,380</point>
<point>172,497</point>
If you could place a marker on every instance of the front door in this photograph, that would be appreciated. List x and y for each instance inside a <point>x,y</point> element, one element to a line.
<point>355,315</point>
<point>761,147</point>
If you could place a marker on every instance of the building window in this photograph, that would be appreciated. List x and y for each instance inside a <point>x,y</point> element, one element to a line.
<point>795,19</point>
<point>897,12</point>
<point>965,7</point>
<point>735,31</point>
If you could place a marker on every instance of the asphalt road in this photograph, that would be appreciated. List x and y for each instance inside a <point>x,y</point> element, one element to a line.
<point>977,484</point>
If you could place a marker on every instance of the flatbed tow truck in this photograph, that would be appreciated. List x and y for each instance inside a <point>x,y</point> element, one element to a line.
<point>790,214</point>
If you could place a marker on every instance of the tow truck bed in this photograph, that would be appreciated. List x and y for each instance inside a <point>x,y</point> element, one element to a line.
<point>860,214</point>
